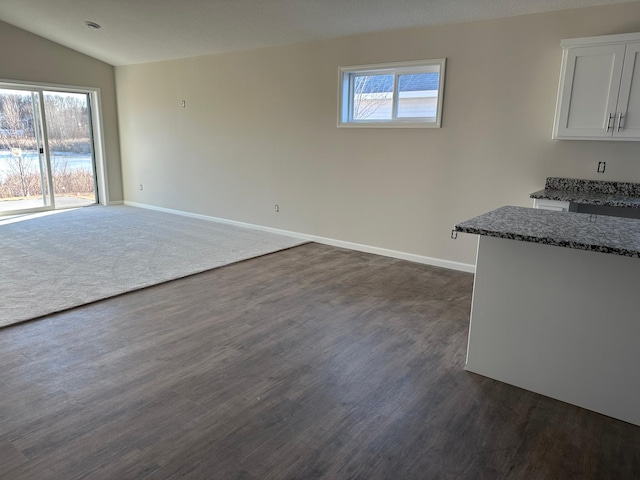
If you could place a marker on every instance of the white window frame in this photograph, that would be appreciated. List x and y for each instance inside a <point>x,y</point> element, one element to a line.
<point>345,97</point>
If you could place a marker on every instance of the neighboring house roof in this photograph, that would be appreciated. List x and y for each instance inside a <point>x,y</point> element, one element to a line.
<point>415,82</point>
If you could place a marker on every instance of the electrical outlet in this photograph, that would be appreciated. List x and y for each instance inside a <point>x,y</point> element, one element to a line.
<point>141,187</point>
<point>277,208</point>
<point>602,166</point>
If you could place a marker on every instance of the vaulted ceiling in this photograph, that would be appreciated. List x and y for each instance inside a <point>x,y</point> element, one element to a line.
<point>138,31</point>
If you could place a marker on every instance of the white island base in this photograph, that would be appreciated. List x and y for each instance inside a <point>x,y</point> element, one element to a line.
<point>558,321</point>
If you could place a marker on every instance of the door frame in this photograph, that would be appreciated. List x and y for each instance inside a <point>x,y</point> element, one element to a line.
<point>95,107</point>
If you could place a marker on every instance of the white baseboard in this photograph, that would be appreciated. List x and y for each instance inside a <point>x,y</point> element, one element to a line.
<point>436,262</point>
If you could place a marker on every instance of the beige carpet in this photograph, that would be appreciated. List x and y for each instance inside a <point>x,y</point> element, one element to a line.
<point>68,258</point>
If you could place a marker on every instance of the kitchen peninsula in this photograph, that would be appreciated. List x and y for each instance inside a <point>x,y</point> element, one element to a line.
<point>556,308</point>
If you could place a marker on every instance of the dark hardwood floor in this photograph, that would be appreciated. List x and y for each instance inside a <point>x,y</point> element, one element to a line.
<point>314,362</point>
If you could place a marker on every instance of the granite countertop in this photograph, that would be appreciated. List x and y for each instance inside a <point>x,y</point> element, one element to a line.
<point>591,192</point>
<point>582,231</point>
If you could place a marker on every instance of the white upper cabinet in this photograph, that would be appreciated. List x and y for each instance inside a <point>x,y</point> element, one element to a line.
<point>599,92</point>
<point>629,99</point>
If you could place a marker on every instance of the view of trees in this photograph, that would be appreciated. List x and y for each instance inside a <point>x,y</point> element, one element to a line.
<point>370,94</point>
<point>68,131</point>
<point>17,136</point>
<point>67,123</point>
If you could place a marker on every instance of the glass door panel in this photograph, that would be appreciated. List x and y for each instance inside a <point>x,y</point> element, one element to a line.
<point>68,122</point>
<point>24,181</point>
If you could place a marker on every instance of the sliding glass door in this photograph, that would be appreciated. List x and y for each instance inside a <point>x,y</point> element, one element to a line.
<point>24,174</point>
<point>68,122</point>
<point>46,150</point>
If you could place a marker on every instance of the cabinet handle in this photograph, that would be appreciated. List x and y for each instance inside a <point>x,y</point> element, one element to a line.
<point>609,122</point>
<point>620,117</point>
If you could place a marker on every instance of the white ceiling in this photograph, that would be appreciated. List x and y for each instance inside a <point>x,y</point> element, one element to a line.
<point>138,31</point>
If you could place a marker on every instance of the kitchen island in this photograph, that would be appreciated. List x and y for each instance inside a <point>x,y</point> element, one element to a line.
<point>556,306</point>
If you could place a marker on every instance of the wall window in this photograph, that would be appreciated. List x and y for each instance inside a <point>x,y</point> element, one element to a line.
<point>406,94</point>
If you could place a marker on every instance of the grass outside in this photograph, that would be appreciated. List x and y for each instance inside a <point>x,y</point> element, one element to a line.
<point>76,183</point>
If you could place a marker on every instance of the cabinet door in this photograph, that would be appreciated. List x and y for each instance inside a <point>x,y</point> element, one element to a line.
<point>589,91</point>
<point>628,116</point>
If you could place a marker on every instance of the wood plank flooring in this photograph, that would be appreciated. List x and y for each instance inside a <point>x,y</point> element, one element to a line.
<point>314,362</point>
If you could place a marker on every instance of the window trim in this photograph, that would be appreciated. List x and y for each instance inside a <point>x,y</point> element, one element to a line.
<point>345,93</point>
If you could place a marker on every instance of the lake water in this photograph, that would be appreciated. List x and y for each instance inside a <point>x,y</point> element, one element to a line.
<point>58,160</point>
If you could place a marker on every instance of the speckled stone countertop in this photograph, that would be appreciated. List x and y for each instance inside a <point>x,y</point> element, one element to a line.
<point>582,231</point>
<point>591,192</point>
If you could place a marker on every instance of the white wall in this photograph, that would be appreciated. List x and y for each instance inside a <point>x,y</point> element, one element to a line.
<point>260,128</point>
<point>26,57</point>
